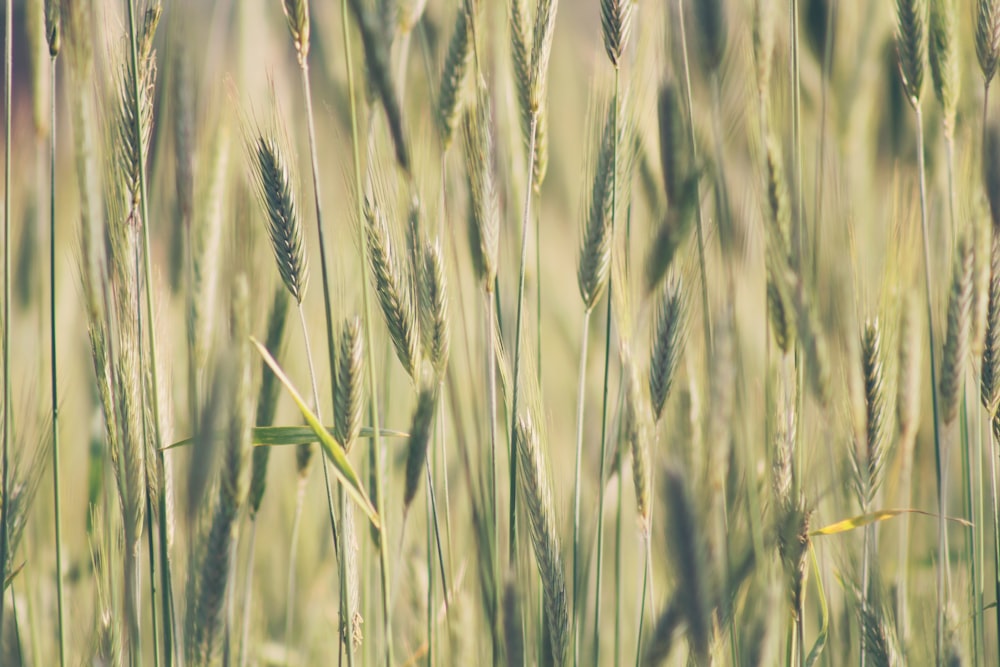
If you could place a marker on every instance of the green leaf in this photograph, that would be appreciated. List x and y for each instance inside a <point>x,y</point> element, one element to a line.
<point>283,436</point>
<point>874,517</point>
<point>824,616</point>
<point>341,466</point>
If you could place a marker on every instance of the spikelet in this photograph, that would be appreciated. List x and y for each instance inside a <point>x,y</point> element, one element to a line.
<point>434,309</point>
<point>686,548</point>
<point>376,49</point>
<point>544,536</point>
<point>420,435</point>
<point>454,74</point>
<point>513,632</point>
<point>635,433</point>
<point>484,205</point>
<point>911,46</point>
<point>878,631</point>
<point>53,28</point>
<point>297,17</point>
<point>673,142</point>
<point>616,24</point>
<point>392,290</point>
<point>541,50</point>
<point>276,192</point>
<point>814,341</point>
<point>981,260</point>
<point>267,398</point>
<point>133,130</point>
<point>349,388</point>
<point>668,338</point>
<point>215,566</point>
<point>991,172</point>
<point>869,464</point>
<point>763,44</point>
<point>988,37</point>
<point>943,46</point>
<point>595,246</point>
<point>713,25</point>
<point>990,394</point>
<point>956,346</point>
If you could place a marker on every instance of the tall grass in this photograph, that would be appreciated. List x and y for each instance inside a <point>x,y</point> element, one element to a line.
<point>748,484</point>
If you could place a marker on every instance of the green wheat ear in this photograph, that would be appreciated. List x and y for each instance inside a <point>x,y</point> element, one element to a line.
<point>911,46</point>
<point>988,37</point>
<point>273,182</point>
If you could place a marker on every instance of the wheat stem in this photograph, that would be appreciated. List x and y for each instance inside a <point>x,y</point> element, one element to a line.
<point>166,594</point>
<point>996,514</point>
<point>942,528</point>
<point>369,347</point>
<point>57,503</point>
<point>532,131</point>
<point>580,394</point>
<point>5,484</point>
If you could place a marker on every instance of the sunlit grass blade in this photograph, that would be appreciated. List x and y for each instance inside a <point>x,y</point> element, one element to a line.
<point>874,517</point>
<point>285,436</point>
<point>341,466</point>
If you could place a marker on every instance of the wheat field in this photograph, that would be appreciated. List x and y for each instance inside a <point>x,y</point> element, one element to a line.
<point>510,332</point>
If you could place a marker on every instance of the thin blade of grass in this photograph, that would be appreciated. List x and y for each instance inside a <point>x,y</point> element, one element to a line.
<point>874,517</point>
<point>341,466</point>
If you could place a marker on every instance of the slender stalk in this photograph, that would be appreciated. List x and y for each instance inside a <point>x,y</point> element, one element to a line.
<point>314,163</point>
<point>821,153</point>
<point>793,23</point>
<point>699,217</point>
<point>607,365</point>
<point>491,390</point>
<point>581,391</point>
<point>512,544</point>
<point>646,584</point>
<point>248,595</point>
<point>302,485</point>
<point>996,519</point>
<point>906,442</point>
<point>167,595</point>
<point>5,484</point>
<point>369,348</point>
<point>57,503</point>
<point>619,529</point>
<point>971,536</point>
<point>942,527</point>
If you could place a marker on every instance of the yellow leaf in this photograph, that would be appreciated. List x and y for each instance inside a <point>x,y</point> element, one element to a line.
<point>874,517</point>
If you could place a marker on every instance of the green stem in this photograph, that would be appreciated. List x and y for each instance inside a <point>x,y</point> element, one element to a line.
<point>942,528</point>
<point>331,349</point>
<point>57,504</point>
<point>512,544</point>
<point>326,471</point>
<point>491,390</point>
<point>971,542</point>
<point>248,594</point>
<point>619,526</point>
<point>580,394</point>
<point>996,521</point>
<point>607,366</point>
<point>369,349</point>
<point>5,484</point>
<point>793,23</point>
